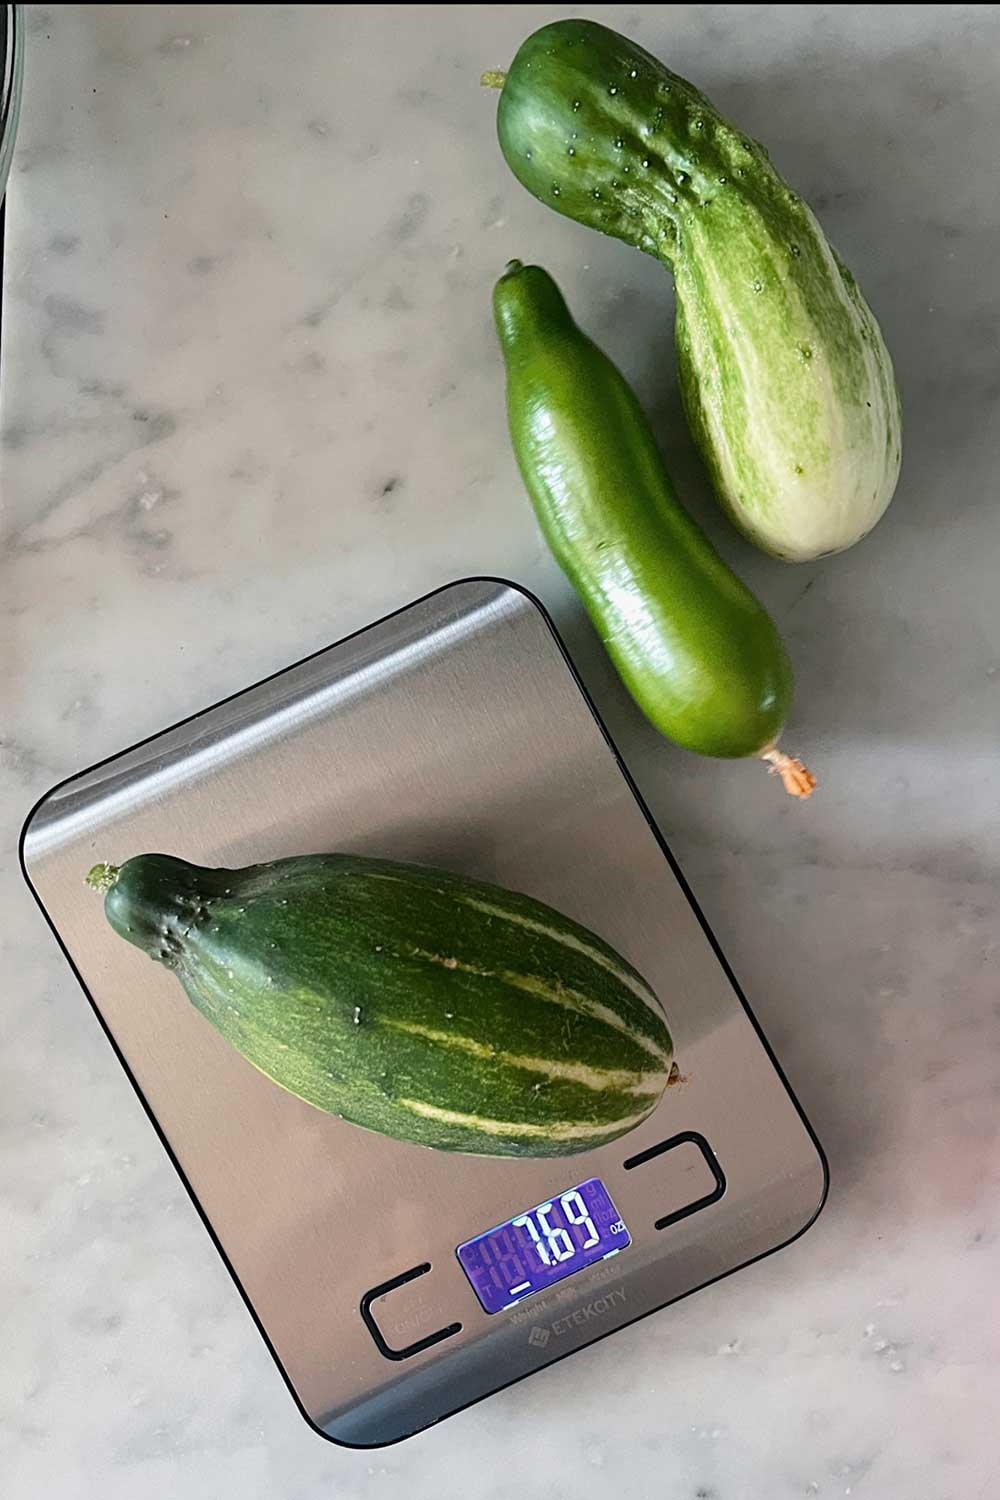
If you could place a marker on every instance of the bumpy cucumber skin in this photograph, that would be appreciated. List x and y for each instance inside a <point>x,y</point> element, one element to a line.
<point>694,647</point>
<point>786,380</point>
<point>429,1007</point>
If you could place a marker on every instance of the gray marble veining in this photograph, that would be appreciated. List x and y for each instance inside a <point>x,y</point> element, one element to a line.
<point>251,399</point>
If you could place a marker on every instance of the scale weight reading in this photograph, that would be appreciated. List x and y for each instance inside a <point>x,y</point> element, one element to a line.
<point>542,1246</point>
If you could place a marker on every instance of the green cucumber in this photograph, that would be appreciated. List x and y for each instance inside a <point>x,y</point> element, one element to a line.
<point>786,380</point>
<point>695,648</point>
<point>419,1004</point>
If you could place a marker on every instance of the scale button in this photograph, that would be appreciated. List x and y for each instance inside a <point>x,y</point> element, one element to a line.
<point>403,1316</point>
<point>688,1175</point>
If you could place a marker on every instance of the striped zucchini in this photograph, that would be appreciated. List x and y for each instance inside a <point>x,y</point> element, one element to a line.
<point>416,1003</point>
<point>787,383</point>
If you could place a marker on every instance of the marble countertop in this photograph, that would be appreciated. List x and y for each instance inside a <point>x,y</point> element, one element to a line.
<point>252,400</point>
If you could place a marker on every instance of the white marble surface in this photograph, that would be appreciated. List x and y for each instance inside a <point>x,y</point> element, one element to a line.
<point>251,400</point>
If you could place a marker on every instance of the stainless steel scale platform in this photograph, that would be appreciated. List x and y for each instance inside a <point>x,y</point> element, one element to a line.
<point>453,733</point>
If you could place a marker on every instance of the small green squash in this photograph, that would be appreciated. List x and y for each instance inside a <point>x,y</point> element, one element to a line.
<point>697,651</point>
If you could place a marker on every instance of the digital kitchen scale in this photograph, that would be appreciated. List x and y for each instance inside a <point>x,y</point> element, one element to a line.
<point>393,1284</point>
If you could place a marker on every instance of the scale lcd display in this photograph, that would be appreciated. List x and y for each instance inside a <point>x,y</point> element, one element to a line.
<point>539,1247</point>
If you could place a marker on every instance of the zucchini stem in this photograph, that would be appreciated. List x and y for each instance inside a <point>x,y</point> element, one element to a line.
<point>796,778</point>
<point>493,78</point>
<point>102,877</point>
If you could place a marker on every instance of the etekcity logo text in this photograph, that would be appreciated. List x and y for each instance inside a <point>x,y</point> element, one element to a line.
<point>539,1336</point>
